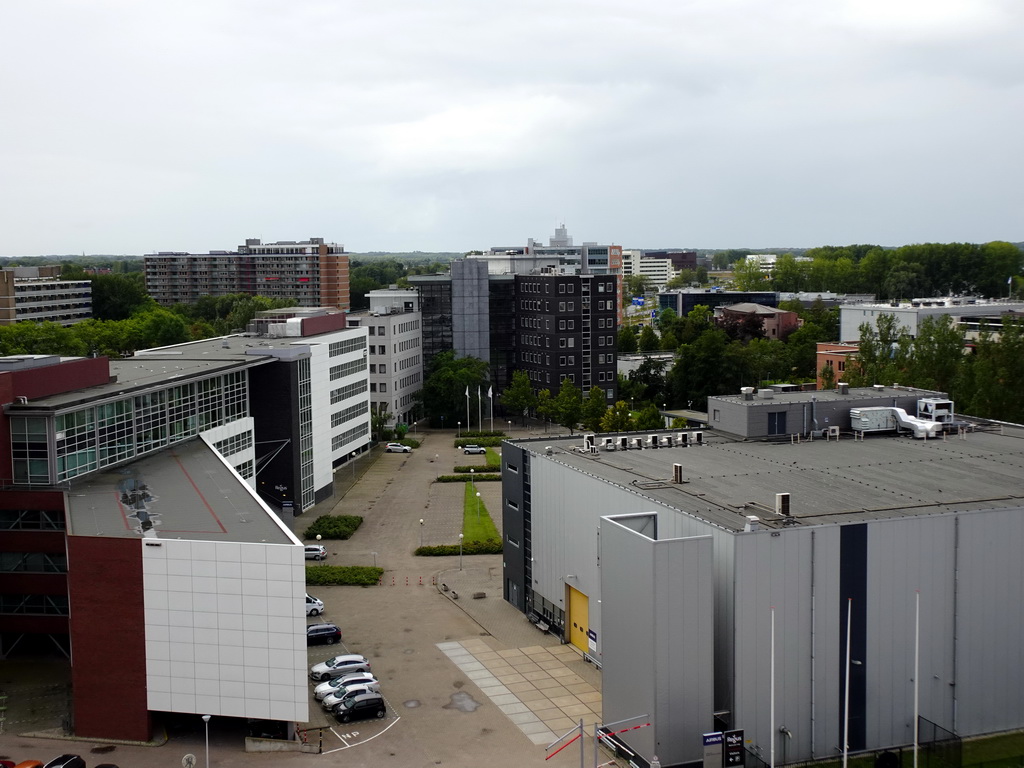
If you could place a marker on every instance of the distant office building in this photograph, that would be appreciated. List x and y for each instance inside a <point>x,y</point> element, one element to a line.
<point>394,324</point>
<point>472,313</point>
<point>565,329</point>
<point>683,302</point>
<point>910,314</point>
<point>657,266</point>
<point>310,273</point>
<point>39,293</point>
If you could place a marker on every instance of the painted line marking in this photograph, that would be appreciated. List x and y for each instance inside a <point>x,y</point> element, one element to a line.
<point>364,741</point>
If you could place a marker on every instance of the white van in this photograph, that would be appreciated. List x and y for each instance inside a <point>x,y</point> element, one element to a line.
<point>314,607</point>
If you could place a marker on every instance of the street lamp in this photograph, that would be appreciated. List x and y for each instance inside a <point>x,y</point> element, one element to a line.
<point>478,505</point>
<point>510,426</point>
<point>458,430</point>
<point>460,551</point>
<point>374,559</point>
<point>421,531</point>
<point>206,722</point>
<point>352,458</point>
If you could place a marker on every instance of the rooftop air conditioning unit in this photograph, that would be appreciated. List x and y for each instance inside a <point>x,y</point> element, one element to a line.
<point>753,523</point>
<point>833,431</point>
<point>843,387</point>
<point>766,394</point>
<point>652,441</point>
<point>608,443</point>
<point>682,438</point>
<point>782,504</point>
<point>666,441</point>
<point>697,437</point>
<point>747,392</point>
<point>588,442</point>
<point>638,443</point>
<point>623,442</point>
<point>677,473</point>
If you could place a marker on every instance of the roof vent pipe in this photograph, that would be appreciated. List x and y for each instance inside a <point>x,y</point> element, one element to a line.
<point>843,387</point>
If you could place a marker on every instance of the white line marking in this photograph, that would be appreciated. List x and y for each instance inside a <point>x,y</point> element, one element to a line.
<point>348,746</point>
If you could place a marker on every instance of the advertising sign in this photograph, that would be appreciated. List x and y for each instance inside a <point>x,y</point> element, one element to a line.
<point>713,749</point>
<point>734,752</point>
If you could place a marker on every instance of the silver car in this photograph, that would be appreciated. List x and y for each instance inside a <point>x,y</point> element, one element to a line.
<point>356,678</point>
<point>339,665</point>
<point>345,692</point>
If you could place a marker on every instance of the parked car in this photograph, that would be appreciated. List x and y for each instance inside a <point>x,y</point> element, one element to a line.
<point>30,764</point>
<point>473,449</point>
<point>316,552</point>
<point>397,448</point>
<point>322,633</point>
<point>314,607</point>
<point>361,707</point>
<point>339,665</point>
<point>66,761</point>
<point>356,678</point>
<point>339,695</point>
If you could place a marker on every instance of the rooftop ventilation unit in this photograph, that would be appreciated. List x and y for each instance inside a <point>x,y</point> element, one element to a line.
<point>833,431</point>
<point>608,443</point>
<point>753,523</point>
<point>782,504</point>
<point>682,438</point>
<point>697,437</point>
<point>638,443</point>
<point>652,441</point>
<point>666,441</point>
<point>747,392</point>
<point>677,473</point>
<point>843,387</point>
<point>588,442</point>
<point>623,442</point>
<point>766,394</point>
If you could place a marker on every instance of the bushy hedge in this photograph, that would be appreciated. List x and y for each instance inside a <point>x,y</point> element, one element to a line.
<point>478,468</point>
<point>333,526</point>
<point>343,575</point>
<point>484,433</point>
<point>412,443</point>
<point>467,478</point>
<point>488,547</point>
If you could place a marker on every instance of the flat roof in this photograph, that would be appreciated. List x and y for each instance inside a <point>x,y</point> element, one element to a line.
<point>825,396</point>
<point>184,492</point>
<point>834,481</point>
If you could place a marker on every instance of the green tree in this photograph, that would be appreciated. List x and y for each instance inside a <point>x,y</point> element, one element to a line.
<point>443,395</point>
<point>568,405</point>
<point>648,340</point>
<point>649,418</point>
<point>992,387</point>
<point>938,354</point>
<point>828,377</point>
<point>617,419</point>
<point>789,274</point>
<point>594,408</point>
<point>518,398</point>
<point>748,276</point>
<point>626,341</point>
<point>118,297</point>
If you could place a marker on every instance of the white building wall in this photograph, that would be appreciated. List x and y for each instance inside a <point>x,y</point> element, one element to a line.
<point>224,628</point>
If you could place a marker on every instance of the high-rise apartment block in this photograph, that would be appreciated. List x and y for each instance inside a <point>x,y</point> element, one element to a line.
<point>310,273</point>
<point>39,293</point>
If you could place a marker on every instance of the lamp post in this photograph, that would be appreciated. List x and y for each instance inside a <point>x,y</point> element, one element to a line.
<point>352,458</point>
<point>510,426</point>
<point>206,722</point>
<point>478,505</point>
<point>374,559</point>
<point>472,477</point>
<point>421,531</point>
<point>458,429</point>
<point>437,467</point>
<point>460,551</point>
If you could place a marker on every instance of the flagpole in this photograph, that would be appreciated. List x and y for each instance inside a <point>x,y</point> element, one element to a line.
<point>479,409</point>
<point>467,406</point>
<point>490,398</point>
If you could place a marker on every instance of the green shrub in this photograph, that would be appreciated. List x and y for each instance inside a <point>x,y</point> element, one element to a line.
<point>484,433</point>
<point>344,575</point>
<point>467,478</point>
<point>478,468</point>
<point>488,547</point>
<point>333,527</point>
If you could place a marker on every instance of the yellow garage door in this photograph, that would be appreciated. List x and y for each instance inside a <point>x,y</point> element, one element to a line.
<point>579,608</point>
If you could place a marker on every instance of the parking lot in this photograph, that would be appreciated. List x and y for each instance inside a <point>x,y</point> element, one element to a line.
<point>424,647</point>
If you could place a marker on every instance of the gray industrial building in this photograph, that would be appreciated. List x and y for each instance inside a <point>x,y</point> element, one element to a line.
<point>668,557</point>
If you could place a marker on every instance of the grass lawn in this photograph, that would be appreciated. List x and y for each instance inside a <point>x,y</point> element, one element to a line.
<point>476,526</point>
<point>493,459</point>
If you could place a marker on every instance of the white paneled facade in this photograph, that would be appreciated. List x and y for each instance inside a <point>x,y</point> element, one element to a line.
<point>224,628</point>
<point>235,443</point>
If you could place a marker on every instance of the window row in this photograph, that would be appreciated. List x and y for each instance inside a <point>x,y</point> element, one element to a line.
<point>339,441</point>
<point>347,369</point>
<point>349,390</point>
<point>346,345</point>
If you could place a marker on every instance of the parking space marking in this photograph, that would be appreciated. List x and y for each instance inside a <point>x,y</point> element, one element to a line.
<point>344,740</point>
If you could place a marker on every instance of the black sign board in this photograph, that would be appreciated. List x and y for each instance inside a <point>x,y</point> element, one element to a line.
<point>735,754</point>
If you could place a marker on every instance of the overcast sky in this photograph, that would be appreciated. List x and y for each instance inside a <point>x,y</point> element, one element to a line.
<point>135,126</point>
